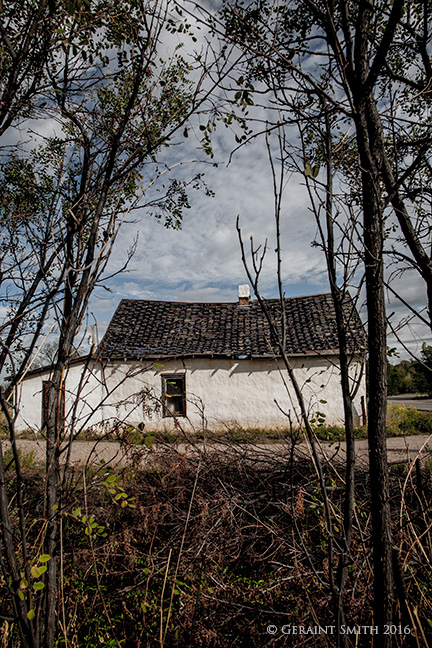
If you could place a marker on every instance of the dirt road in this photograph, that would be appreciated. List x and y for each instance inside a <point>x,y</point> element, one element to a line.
<point>399,449</point>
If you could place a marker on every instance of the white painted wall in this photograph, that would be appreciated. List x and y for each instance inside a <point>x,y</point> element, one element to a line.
<point>82,410</point>
<point>223,392</point>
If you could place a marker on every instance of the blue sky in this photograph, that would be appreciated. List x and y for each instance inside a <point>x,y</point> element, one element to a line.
<point>202,261</point>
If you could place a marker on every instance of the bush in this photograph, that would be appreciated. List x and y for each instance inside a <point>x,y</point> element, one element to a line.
<point>403,420</point>
<point>27,459</point>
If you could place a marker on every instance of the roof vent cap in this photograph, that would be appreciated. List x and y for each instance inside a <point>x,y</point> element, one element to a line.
<point>244,295</point>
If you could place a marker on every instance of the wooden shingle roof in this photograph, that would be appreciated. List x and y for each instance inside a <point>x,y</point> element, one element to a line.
<point>158,329</point>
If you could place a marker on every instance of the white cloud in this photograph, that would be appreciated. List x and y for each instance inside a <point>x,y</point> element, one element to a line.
<point>202,261</point>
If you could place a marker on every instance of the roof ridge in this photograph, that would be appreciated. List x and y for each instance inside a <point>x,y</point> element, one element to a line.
<point>164,301</point>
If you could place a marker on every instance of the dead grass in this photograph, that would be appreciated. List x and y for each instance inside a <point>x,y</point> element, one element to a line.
<point>213,548</point>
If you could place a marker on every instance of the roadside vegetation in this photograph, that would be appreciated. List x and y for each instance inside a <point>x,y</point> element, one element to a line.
<point>210,550</point>
<point>411,376</point>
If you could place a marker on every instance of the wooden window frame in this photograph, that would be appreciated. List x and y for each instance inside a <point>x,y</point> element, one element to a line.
<point>178,378</point>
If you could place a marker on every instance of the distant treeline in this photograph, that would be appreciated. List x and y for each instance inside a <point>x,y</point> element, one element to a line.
<point>411,376</point>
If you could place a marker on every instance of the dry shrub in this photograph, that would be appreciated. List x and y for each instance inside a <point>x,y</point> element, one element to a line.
<point>214,546</point>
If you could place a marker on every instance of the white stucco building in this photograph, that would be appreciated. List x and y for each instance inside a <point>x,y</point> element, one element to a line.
<point>165,364</point>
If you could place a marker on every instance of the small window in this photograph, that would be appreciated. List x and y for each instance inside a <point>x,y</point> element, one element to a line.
<point>174,395</point>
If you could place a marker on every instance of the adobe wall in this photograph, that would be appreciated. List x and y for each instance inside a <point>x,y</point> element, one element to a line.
<point>222,393</point>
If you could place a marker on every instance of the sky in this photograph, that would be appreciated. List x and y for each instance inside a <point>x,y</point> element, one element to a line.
<point>202,261</point>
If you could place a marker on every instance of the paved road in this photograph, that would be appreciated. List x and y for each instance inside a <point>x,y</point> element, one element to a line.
<point>399,449</point>
<point>410,400</point>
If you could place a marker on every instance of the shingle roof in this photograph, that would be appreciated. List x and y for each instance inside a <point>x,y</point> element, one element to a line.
<point>157,329</point>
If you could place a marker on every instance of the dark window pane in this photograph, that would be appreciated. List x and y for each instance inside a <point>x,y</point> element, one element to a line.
<point>174,395</point>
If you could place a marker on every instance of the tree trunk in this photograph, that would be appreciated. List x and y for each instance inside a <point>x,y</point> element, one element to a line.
<point>54,435</point>
<point>377,324</point>
<point>368,133</point>
<point>339,295</point>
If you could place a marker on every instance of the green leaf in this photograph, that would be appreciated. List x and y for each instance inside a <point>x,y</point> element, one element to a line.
<point>77,512</point>
<point>38,586</point>
<point>315,170</point>
<point>44,558</point>
<point>35,572</point>
<point>20,595</point>
<point>31,614</point>
<point>308,169</point>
